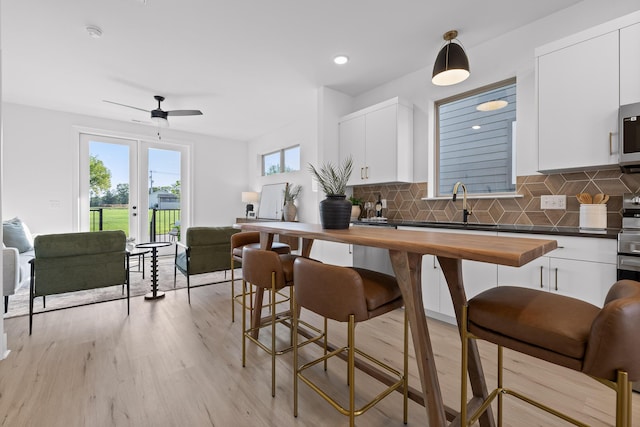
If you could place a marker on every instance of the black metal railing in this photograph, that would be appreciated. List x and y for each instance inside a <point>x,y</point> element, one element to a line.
<point>164,225</point>
<point>96,218</point>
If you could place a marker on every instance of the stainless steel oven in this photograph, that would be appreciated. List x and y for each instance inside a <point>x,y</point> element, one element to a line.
<point>629,238</point>
<point>629,243</point>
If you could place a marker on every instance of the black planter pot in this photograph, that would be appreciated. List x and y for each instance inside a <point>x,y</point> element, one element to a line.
<point>335,212</point>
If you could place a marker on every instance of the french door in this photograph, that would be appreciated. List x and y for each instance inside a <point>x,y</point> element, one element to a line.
<point>137,186</point>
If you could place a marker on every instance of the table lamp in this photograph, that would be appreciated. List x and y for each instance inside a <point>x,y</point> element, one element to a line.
<point>249,197</point>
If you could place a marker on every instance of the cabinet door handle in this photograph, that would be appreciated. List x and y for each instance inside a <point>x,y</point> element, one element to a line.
<point>361,173</point>
<point>541,285</point>
<point>434,263</point>
<point>366,174</point>
<point>556,278</point>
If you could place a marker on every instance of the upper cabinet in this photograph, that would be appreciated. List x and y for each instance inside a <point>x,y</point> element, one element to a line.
<point>630,64</point>
<point>581,82</point>
<point>578,105</point>
<point>380,141</point>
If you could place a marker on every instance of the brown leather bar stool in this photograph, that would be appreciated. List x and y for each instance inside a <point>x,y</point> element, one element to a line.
<point>347,295</point>
<point>272,272</point>
<point>250,239</point>
<point>602,343</point>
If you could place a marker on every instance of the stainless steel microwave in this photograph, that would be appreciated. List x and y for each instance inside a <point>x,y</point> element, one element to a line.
<point>629,137</point>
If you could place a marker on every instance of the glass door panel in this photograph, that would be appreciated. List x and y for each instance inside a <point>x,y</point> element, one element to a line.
<point>108,185</point>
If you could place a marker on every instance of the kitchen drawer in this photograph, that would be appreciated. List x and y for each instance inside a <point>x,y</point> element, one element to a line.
<point>578,248</point>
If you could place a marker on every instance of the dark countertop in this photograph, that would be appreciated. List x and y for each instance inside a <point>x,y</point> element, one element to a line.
<point>609,233</point>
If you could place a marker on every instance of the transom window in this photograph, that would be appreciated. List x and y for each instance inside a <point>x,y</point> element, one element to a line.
<point>475,140</point>
<point>285,160</point>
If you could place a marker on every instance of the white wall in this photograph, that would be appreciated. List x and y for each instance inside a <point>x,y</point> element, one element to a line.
<point>303,132</point>
<point>509,55</point>
<point>40,162</point>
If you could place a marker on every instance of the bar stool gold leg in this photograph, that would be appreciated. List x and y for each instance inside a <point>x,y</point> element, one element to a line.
<point>272,303</point>
<point>500,394</point>
<point>295,357</point>
<point>350,370</point>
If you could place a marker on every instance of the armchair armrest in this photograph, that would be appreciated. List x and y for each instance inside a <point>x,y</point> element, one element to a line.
<point>10,271</point>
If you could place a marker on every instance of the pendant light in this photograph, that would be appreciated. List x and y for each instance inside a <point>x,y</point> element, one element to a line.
<point>452,64</point>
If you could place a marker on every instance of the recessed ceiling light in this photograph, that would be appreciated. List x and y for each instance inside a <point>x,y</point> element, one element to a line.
<point>94,32</point>
<point>496,104</point>
<point>341,59</point>
<point>475,127</point>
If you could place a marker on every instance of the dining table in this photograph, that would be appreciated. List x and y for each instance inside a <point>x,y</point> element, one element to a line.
<point>406,248</point>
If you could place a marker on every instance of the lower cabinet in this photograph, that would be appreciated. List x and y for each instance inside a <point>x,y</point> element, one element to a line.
<point>581,267</point>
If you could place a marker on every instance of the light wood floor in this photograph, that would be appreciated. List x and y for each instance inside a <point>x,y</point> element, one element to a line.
<point>171,364</point>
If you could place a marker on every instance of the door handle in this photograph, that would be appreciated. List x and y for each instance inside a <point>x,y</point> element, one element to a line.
<point>556,278</point>
<point>541,285</point>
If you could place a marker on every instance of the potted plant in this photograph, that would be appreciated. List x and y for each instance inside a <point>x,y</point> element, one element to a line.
<point>356,208</point>
<point>335,210</point>
<point>291,193</point>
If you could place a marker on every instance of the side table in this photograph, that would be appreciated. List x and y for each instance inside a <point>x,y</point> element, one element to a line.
<point>154,294</point>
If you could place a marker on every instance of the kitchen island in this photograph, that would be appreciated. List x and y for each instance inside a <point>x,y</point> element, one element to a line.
<point>406,249</point>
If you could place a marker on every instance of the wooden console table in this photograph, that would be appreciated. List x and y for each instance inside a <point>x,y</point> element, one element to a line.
<point>406,249</point>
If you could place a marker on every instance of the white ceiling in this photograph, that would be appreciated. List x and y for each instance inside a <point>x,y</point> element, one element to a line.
<point>249,65</point>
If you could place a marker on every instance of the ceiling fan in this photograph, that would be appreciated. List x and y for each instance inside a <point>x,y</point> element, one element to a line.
<point>159,115</point>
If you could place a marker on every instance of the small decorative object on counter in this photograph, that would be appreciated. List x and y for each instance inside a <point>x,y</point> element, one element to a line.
<point>291,193</point>
<point>379,206</point>
<point>335,210</point>
<point>593,211</point>
<point>356,208</point>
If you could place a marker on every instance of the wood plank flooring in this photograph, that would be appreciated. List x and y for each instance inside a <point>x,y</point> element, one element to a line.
<point>171,364</point>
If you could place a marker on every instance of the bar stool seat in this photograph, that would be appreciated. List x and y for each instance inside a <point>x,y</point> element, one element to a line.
<point>348,295</point>
<point>249,239</point>
<point>600,342</point>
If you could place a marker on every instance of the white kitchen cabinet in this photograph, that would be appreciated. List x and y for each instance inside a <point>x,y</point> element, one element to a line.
<point>581,267</point>
<point>578,100</point>
<point>477,276</point>
<point>630,64</point>
<point>380,141</point>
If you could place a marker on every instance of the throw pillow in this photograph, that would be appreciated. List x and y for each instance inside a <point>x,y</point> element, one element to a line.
<point>15,234</point>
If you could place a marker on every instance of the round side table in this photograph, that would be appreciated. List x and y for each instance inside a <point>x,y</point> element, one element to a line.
<point>154,294</point>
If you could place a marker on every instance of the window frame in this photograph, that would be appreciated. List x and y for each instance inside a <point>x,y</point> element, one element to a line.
<point>281,151</point>
<point>436,139</point>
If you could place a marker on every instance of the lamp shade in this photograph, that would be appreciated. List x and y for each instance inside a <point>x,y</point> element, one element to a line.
<point>452,64</point>
<point>249,197</point>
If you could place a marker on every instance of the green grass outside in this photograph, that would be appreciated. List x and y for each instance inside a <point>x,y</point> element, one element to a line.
<point>118,219</point>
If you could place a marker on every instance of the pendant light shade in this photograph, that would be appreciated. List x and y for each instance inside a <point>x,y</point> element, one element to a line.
<point>452,64</point>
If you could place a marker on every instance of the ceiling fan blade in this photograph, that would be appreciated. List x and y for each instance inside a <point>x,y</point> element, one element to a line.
<point>184,113</point>
<point>125,105</point>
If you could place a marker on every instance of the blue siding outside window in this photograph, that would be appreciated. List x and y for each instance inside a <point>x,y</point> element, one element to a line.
<point>477,147</point>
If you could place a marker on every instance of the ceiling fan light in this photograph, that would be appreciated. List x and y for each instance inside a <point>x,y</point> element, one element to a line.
<point>160,121</point>
<point>493,105</point>
<point>451,65</point>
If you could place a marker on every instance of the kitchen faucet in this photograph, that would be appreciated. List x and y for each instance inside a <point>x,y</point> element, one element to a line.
<point>465,212</point>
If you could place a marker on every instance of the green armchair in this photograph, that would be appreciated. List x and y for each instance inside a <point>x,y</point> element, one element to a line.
<point>206,250</point>
<point>72,262</point>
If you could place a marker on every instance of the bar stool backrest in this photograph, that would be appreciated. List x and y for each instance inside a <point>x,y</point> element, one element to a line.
<point>614,341</point>
<point>258,266</point>
<point>331,291</point>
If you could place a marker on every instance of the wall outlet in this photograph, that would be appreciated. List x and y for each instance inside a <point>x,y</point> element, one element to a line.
<point>384,203</point>
<point>553,202</point>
